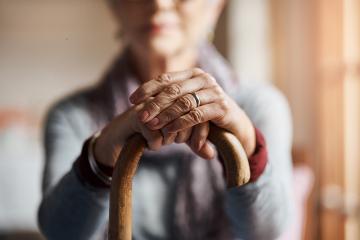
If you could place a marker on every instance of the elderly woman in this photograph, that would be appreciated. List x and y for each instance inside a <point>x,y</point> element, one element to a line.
<point>168,84</point>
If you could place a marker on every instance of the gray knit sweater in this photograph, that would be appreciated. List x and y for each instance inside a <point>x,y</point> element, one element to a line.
<point>71,209</point>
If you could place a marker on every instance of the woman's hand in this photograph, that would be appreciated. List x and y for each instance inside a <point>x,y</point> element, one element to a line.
<point>113,136</point>
<point>174,109</point>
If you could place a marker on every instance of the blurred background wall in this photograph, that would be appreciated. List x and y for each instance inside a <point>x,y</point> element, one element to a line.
<point>309,49</point>
<point>47,49</point>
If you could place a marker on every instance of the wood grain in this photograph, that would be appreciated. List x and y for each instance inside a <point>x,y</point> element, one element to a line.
<point>236,164</point>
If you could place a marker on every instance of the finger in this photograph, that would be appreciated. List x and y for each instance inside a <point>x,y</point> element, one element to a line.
<point>206,152</point>
<point>199,135</point>
<point>154,86</point>
<point>154,139</point>
<point>172,92</point>
<point>183,105</point>
<point>210,95</point>
<point>198,115</point>
<point>183,135</point>
<point>168,138</point>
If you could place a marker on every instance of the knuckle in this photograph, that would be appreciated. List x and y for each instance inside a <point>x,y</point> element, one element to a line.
<point>185,103</point>
<point>197,71</point>
<point>168,137</point>
<point>156,84</point>
<point>180,123</point>
<point>164,78</point>
<point>170,114</point>
<point>173,90</point>
<point>183,135</point>
<point>180,137</point>
<point>154,106</point>
<point>210,80</point>
<point>196,115</point>
<point>224,104</point>
<point>218,91</point>
<point>166,117</point>
<point>148,100</point>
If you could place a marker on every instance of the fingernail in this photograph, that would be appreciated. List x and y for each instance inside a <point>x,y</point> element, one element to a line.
<point>154,122</point>
<point>144,116</point>
<point>132,98</point>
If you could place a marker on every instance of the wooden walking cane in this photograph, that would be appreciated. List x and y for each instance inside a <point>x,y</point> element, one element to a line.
<point>237,173</point>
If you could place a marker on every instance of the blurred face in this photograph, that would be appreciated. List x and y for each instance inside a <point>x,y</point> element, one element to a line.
<point>165,27</point>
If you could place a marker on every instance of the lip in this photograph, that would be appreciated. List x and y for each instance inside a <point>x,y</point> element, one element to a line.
<point>158,28</point>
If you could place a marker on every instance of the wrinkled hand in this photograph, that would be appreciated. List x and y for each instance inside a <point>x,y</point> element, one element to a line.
<point>194,137</point>
<point>173,110</point>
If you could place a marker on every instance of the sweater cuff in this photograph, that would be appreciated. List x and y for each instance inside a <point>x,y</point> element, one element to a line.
<point>84,171</point>
<point>259,159</point>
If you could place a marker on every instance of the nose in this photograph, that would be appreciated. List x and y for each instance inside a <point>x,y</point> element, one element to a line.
<point>163,4</point>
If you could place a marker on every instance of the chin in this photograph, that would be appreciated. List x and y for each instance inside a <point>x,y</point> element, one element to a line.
<point>165,46</point>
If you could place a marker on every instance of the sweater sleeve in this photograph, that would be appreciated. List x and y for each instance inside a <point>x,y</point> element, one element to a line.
<point>258,160</point>
<point>70,208</point>
<point>262,209</point>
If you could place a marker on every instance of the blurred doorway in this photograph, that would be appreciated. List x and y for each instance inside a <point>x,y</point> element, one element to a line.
<point>316,63</point>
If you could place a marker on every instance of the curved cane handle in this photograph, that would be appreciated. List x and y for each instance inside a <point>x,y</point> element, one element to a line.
<point>230,149</point>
